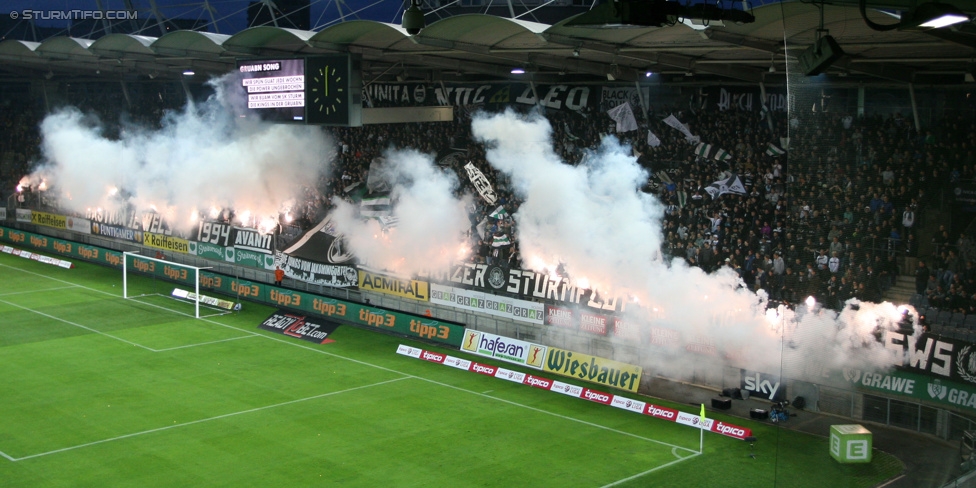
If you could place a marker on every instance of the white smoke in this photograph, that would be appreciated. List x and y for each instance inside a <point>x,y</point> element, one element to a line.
<point>202,158</point>
<point>430,221</point>
<point>595,221</point>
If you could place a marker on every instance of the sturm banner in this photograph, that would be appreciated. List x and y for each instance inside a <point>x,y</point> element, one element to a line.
<point>333,275</point>
<point>527,285</point>
<point>746,99</point>
<point>933,355</point>
<point>217,233</point>
<point>322,243</point>
<point>612,96</point>
<point>252,240</point>
<point>556,97</point>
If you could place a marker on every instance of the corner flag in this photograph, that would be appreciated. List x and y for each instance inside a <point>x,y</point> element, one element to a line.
<point>701,433</point>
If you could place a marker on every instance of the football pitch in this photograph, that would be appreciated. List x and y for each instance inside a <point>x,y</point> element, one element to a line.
<point>96,390</point>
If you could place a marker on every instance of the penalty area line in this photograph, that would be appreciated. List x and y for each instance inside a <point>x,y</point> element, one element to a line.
<point>200,421</point>
<point>37,291</point>
<point>89,329</point>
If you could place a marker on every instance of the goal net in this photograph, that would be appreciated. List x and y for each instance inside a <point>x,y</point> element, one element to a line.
<point>144,276</point>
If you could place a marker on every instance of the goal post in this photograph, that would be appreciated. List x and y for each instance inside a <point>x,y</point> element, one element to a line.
<point>133,262</point>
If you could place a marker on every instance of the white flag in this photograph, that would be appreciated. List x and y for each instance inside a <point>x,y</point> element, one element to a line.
<point>652,139</point>
<point>623,115</point>
<point>481,183</point>
<point>732,184</point>
<point>702,150</point>
<point>772,150</point>
<point>674,122</point>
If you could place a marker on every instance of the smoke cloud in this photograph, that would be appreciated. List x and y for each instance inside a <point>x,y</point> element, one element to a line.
<point>594,220</point>
<point>430,220</point>
<point>203,157</point>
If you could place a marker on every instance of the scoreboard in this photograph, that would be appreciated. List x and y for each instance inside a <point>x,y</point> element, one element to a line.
<point>320,90</point>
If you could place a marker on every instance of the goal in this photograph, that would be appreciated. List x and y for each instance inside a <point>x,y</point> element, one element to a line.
<point>143,276</point>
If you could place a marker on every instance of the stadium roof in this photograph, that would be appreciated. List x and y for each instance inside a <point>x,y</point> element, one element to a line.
<point>476,46</point>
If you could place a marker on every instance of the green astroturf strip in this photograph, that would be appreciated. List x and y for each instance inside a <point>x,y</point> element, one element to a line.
<point>131,394</point>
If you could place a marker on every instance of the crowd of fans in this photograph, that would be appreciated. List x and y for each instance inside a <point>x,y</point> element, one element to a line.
<point>836,217</point>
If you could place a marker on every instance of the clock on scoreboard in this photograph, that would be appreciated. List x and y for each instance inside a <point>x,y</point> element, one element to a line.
<point>317,90</point>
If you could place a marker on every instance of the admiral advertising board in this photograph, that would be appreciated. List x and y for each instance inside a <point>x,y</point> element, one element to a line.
<point>393,285</point>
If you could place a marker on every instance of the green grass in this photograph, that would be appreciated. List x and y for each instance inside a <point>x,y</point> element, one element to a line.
<point>100,391</point>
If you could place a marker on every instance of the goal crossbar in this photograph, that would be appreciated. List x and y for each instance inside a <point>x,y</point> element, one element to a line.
<point>148,265</point>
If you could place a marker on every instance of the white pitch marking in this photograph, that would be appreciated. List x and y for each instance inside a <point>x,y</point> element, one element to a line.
<point>159,429</point>
<point>364,363</point>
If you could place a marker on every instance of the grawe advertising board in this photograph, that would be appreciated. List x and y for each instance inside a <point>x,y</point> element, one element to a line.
<point>913,385</point>
<point>576,391</point>
<point>594,369</point>
<point>504,348</point>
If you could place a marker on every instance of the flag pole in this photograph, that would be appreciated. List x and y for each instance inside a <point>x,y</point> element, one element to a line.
<point>701,431</point>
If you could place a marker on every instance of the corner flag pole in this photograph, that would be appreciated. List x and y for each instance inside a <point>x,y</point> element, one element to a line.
<point>701,425</point>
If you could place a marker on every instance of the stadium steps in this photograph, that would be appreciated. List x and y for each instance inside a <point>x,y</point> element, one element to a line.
<point>902,291</point>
